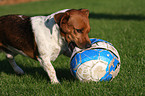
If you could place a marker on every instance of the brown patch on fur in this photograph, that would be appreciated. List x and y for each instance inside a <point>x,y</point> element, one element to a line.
<point>16,31</point>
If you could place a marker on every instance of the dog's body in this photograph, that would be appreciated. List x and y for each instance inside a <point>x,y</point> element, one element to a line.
<point>43,38</point>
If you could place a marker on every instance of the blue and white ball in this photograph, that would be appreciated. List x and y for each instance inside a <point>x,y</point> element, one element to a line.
<point>101,62</point>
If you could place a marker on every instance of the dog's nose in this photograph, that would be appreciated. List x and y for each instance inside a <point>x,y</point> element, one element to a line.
<point>88,46</point>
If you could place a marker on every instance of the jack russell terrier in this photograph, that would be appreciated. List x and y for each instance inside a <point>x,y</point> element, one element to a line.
<point>44,38</point>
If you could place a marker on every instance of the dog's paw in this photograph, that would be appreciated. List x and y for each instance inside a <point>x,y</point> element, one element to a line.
<point>55,82</point>
<point>19,71</point>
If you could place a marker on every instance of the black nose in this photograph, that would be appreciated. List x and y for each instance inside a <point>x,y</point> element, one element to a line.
<point>88,46</point>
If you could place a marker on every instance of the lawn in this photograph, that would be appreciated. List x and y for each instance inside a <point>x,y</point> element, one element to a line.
<point>121,22</point>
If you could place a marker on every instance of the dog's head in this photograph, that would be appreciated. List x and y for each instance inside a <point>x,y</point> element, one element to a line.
<point>74,26</point>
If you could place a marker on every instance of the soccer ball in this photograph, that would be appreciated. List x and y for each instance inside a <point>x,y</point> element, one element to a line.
<point>101,62</point>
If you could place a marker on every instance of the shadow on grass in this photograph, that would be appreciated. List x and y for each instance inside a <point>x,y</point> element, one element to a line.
<point>36,72</point>
<point>116,16</point>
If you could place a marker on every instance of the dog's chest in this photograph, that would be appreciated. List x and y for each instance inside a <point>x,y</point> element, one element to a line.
<point>47,37</point>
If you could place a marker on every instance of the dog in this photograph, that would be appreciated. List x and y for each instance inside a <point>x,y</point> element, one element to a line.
<point>44,38</point>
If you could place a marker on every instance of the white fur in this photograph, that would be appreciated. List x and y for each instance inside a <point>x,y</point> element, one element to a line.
<point>47,35</point>
<point>49,41</point>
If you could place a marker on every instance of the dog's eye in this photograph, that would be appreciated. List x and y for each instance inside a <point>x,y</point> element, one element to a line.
<point>79,30</point>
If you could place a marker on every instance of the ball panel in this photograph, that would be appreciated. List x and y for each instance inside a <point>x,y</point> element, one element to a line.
<point>83,57</point>
<point>99,43</point>
<point>94,40</point>
<point>111,70</point>
<point>83,72</point>
<point>99,69</point>
<point>105,56</point>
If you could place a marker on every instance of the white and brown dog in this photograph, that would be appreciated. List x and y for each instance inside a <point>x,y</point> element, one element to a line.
<point>44,38</point>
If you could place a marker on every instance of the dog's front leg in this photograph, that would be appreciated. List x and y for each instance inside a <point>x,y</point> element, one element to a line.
<point>46,64</point>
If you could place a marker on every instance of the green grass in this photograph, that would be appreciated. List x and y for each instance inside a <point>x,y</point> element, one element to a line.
<point>121,22</point>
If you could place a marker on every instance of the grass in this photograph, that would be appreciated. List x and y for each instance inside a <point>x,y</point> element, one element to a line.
<point>120,22</point>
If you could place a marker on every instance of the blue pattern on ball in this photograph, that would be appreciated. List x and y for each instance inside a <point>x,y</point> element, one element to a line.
<point>94,40</point>
<point>95,54</point>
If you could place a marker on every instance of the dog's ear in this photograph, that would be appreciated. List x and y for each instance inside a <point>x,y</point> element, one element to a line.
<point>86,11</point>
<point>61,17</point>
<point>58,17</point>
<point>65,18</point>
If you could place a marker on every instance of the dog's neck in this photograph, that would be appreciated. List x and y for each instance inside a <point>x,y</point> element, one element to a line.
<point>49,22</point>
<point>47,35</point>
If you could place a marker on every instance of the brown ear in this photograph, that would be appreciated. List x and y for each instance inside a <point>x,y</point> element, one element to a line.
<point>65,18</point>
<point>58,17</point>
<point>86,11</point>
<point>61,17</point>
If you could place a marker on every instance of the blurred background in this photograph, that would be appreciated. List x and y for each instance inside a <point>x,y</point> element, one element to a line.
<point>7,2</point>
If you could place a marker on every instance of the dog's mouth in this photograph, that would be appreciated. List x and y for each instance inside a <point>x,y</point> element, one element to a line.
<point>72,45</point>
